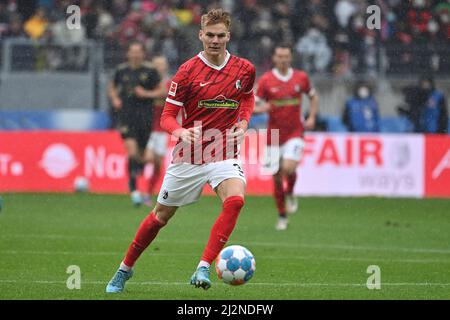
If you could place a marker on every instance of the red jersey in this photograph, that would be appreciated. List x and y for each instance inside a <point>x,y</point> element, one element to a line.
<point>158,106</point>
<point>210,96</point>
<point>284,94</point>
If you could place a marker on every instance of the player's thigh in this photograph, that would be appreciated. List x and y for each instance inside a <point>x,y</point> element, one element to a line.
<point>131,147</point>
<point>142,135</point>
<point>157,145</point>
<point>227,178</point>
<point>149,155</point>
<point>141,127</point>
<point>230,187</point>
<point>288,166</point>
<point>291,153</point>
<point>183,184</point>
<point>271,160</point>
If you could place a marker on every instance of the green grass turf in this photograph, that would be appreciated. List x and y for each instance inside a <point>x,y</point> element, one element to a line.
<point>324,254</point>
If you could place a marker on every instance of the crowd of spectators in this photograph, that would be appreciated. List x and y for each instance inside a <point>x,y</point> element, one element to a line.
<point>328,35</point>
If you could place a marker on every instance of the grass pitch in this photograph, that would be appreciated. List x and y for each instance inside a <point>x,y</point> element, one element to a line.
<point>324,254</point>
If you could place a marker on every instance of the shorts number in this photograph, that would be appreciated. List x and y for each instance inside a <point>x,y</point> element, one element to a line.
<point>241,172</point>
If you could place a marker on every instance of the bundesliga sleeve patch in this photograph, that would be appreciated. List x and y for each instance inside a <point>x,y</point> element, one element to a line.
<point>173,89</point>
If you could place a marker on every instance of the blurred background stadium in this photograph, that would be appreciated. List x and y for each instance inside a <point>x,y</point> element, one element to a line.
<point>53,77</point>
<point>330,40</point>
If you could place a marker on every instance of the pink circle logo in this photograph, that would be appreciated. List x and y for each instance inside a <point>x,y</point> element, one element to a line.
<point>58,161</point>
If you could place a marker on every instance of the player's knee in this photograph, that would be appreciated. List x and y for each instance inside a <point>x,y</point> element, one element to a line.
<point>149,156</point>
<point>162,217</point>
<point>234,203</point>
<point>288,170</point>
<point>163,213</point>
<point>133,157</point>
<point>278,177</point>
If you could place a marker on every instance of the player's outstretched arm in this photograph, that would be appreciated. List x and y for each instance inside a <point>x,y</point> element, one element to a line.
<point>159,92</point>
<point>113,95</point>
<point>313,110</point>
<point>169,123</point>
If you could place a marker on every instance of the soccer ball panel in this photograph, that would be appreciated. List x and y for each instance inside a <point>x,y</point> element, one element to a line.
<point>226,253</point>
<point>248,253</point>
<point>222,265</point>
<point>239,254</point>
<point>246,264</point>
<point>239,274</point>
<point>248,275</point>
<point>233,264</point>
<point>227,276</point>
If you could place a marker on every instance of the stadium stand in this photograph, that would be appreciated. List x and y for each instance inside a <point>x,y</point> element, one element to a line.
<point>413,39</point>
<point>71,120</point>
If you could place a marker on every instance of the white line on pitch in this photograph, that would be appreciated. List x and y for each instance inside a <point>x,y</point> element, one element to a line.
<point>272,257</point>
<point>286,284</point>
<point>249,243</point>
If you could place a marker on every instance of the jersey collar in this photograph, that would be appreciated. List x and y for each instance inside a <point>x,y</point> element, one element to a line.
<point>209,64</point>
<point>280,77</point>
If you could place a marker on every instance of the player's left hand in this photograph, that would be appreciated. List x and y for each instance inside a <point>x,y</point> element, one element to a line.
<point>140,92</point>
<point>237,131</point>
<point>310,123</point>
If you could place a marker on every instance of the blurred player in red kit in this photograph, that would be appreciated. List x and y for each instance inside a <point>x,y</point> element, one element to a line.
<point>279,92</point>
<point>214,90</point>
<point>156,148</point>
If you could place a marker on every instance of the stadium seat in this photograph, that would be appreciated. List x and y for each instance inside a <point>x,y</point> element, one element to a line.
<point>395,125</point>
<point>78,120</point>
<point>259,121</point>
<point>334,124</point>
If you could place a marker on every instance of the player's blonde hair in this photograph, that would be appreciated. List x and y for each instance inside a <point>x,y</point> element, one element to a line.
<point>216,16</point>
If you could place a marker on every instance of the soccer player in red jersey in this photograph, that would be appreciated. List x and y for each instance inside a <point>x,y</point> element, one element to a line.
<point>279,92</point>
<point>214,92</point>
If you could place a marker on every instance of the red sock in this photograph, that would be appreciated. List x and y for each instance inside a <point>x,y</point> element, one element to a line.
<point>291,183</point>
<point>146,233</point>
<point>154,179</point>
<point>223,227</point>
<point>279,196</point>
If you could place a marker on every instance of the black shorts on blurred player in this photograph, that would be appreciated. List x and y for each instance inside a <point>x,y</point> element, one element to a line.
<point>135,124</point>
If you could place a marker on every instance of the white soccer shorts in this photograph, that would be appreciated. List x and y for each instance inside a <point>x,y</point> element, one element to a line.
<point>291,150</point>
<point>158,143</point>
<point>183,182</point>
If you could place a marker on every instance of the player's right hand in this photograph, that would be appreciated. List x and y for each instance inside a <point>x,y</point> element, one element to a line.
<point>117,103</point>
<point>191,135</point>
<point>261,106</point>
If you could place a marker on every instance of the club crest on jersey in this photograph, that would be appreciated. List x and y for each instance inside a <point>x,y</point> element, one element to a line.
<point>218,102</point>
<point>238,84</point>
<point>173,89</point>
<point>297,88</point>
<point>143,77</point>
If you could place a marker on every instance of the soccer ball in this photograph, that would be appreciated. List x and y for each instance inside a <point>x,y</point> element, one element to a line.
<point>81,184</point>
<point>235,265</point>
